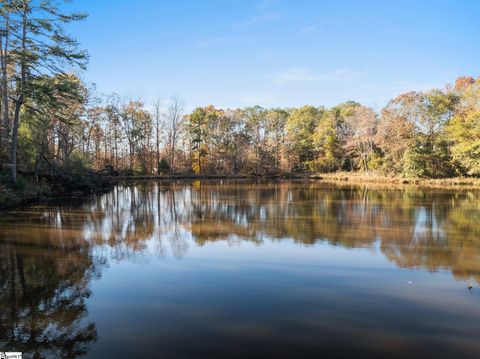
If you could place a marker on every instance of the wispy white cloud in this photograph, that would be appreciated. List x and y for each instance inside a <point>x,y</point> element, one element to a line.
<point>254,20</point>
<point>307,29</point>
<point>207,42</point>
<point>303,75</point>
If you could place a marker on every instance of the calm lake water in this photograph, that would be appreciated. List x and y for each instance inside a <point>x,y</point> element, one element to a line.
<point>216,270</point>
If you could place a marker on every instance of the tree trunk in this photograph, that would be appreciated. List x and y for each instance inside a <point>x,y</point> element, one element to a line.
<point>14,144</point>
<point>4,134</point>
<point>157,135</point>
<point>20,100</point>
<point>172,155</point>
<point>38,164</point>
<point>199,163</point>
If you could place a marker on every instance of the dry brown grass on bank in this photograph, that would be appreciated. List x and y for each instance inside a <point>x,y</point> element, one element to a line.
<point>340,178</point>
<point>359,177</point>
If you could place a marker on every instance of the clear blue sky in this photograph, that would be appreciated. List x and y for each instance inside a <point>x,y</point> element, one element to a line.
<point>233,53</point>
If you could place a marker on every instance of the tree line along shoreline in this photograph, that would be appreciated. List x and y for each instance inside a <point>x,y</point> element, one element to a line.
<point>45,193</point>
<point>59,135</point>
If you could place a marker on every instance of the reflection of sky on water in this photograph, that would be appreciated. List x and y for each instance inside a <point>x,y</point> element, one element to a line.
<point>426,224</point>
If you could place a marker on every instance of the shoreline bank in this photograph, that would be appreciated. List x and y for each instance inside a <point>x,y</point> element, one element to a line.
<point>32,192</point>
<point>360,178</point>
<point>43,192</point>
<point>337,177</point>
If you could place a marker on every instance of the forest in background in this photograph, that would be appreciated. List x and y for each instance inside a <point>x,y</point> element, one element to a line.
<point>435,134</point>
<point>55,125</point>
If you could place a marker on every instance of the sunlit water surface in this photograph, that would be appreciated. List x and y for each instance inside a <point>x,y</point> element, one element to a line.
<point>215,270</point>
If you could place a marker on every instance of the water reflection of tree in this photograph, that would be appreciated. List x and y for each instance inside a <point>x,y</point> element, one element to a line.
<point>44,280</point>
<point>49,257</point>
<point>414,228</point>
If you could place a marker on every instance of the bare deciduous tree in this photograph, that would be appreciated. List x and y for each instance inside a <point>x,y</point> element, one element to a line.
<point>172,120</point>
<point>360,128</point>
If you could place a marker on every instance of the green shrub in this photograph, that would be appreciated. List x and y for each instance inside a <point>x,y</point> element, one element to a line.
<point>7,182</point>
<point>21,183</point>
<point>76,165</point>
<point>163,166</point>
<point>5,177</point>
<point>375,161</point>
<point>7,196</point>
<point>413,163</point>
